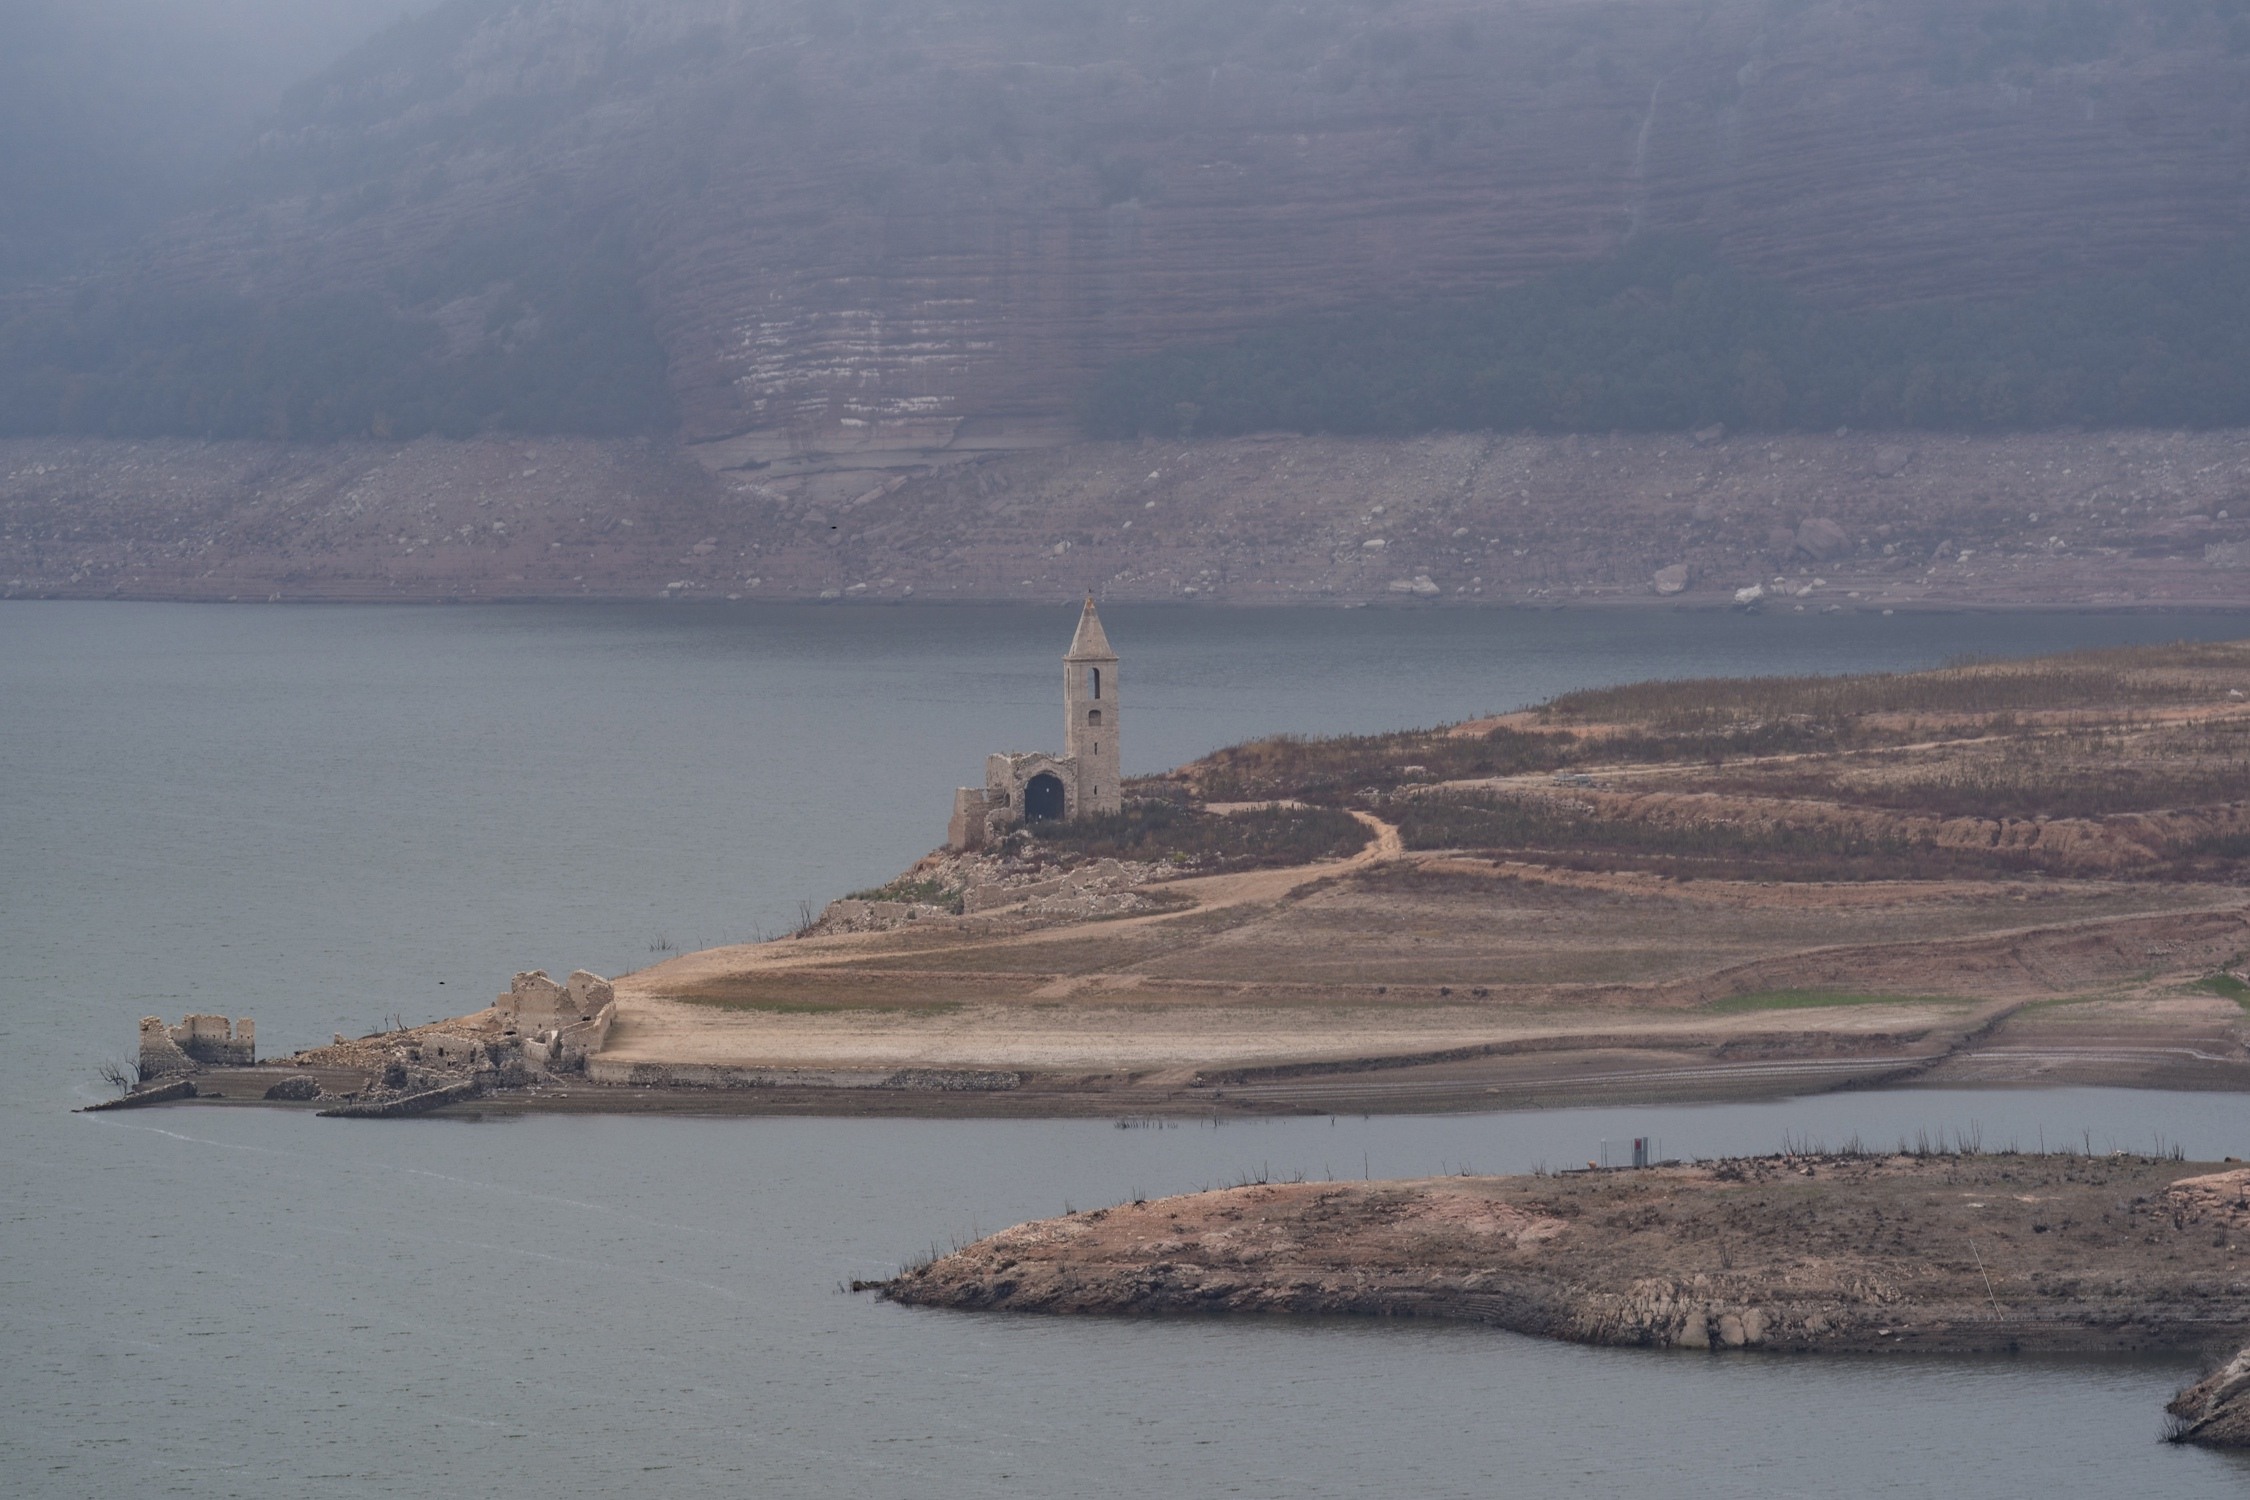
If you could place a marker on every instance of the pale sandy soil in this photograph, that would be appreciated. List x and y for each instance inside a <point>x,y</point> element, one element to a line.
<point>1392,957</point>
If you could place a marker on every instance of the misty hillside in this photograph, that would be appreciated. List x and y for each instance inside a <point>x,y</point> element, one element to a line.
<point>796,225</point>
<point>117,113</point>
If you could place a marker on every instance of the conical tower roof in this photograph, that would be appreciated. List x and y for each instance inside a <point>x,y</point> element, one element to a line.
<point>1089,644</point>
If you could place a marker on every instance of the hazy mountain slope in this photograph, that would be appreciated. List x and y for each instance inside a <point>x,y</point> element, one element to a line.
<point>115,113</point>
<point>836,226</point>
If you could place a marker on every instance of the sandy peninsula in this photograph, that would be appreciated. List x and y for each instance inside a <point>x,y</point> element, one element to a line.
<point>2009,873</point>
<point>2004,873</point>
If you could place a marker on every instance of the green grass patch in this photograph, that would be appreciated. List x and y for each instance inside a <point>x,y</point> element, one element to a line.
<point>1819,1000</point>
<point>914,892</point>
<point>2227,985</point>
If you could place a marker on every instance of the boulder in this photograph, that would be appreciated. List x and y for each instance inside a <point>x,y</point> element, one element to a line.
<point>296,1086</point>
<point>1821,539</point>
<point>1890,459</point>
<point>1670,580</point>
<point>1750,597</point>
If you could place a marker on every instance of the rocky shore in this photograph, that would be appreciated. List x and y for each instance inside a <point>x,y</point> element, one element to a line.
<point>1816,1252</point>
<point>2215,1411</point>
<point>1812,523</point>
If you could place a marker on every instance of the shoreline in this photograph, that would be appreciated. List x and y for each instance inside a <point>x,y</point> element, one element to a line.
<point>2125,518</point>
<point>1504,1079</point>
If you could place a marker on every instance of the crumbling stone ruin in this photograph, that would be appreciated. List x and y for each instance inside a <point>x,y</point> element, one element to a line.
<point>195,1042</point>
<point>560,1025</point>
<point>534,1000</point>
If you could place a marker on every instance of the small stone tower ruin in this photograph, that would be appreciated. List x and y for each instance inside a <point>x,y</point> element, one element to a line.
<point>1034,786</point>
<point>1090,727</point>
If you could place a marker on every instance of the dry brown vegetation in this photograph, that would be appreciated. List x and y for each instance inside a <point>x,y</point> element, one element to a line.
<point>1823,777</point>
<point>1167,830</point>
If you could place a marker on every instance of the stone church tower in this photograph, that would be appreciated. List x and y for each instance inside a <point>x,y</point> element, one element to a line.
<point>1090,727</point>
<point>1034,786</point>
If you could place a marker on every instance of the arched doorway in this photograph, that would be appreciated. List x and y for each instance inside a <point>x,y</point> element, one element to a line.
<point>1043,798</point>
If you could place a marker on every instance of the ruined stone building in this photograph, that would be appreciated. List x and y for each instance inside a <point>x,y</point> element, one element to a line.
<point>1034,786</point>
<point>196,1042</point>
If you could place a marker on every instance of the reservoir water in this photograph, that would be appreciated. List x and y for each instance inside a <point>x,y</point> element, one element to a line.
<point>328,817</point>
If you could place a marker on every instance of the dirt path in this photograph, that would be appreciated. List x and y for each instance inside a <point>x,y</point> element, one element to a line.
<point>1206,894</point>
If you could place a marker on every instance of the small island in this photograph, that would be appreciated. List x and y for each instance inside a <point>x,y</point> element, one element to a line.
<point>1921,1251</point>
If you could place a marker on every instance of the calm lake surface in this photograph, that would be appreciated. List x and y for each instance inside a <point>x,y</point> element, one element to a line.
<point>327,817</point>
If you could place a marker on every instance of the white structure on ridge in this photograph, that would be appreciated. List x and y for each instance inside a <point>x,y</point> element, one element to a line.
<point>1034,786</point>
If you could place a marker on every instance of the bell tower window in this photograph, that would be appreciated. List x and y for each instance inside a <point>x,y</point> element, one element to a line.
<point>1094,674</point>
<point>1093,716</point>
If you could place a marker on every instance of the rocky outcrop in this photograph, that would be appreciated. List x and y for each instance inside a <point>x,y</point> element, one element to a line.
<point>2215,1411</point>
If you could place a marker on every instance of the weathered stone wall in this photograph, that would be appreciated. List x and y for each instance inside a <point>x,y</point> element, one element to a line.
<point>566,1048</point>
<point>970,827</point>
<point>198,1039</point>
<point>535,1001</point>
